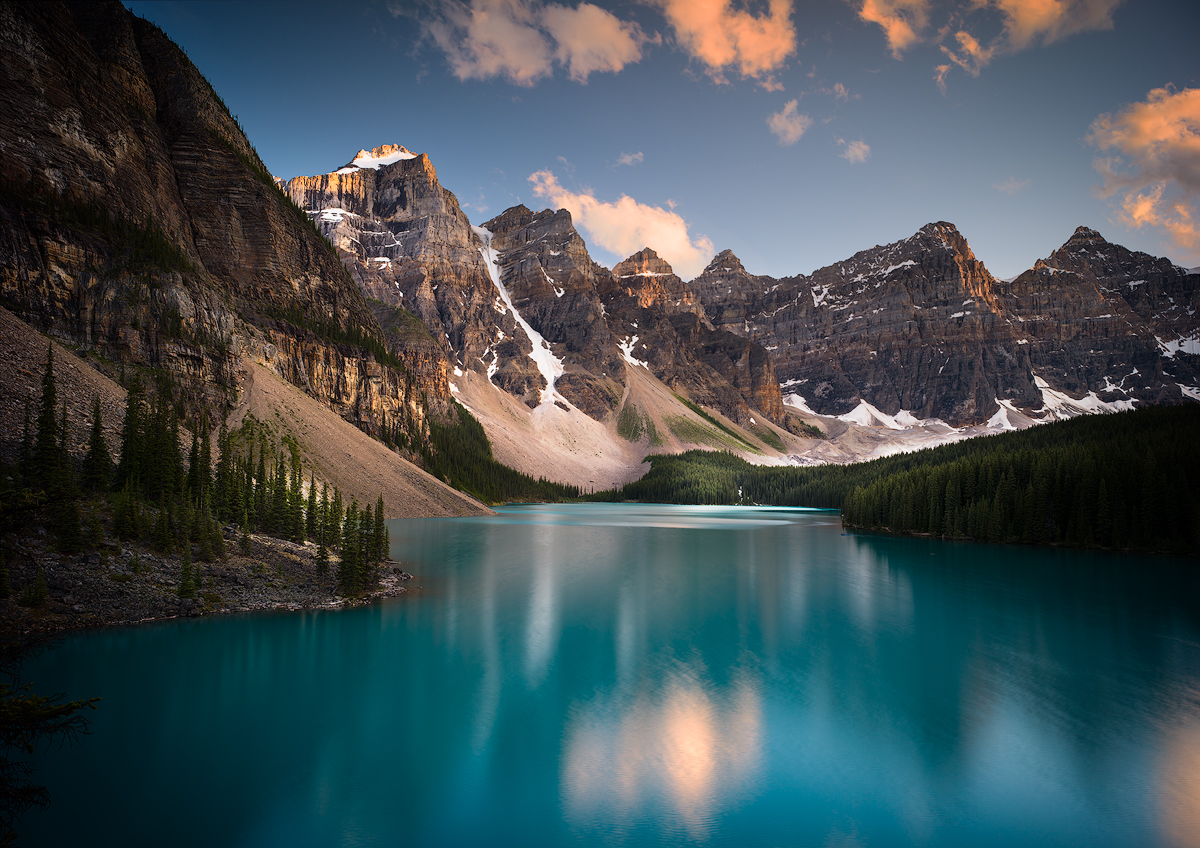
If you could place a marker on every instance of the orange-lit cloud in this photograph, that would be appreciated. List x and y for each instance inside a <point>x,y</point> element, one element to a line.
<point>902,20</point>
<point>1024,23</point>
<point>788,125</point>
<point>626,226</point>
<point>724,38</point>
<point>1155,164</point>
<point>591,39</point>
<point>1029,21</point>
<point>521,40</point>
<point>971,56</point>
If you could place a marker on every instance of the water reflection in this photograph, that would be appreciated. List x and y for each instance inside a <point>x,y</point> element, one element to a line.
<point>1180,784</point>
<point>652,676</point>
<point>683,752</point>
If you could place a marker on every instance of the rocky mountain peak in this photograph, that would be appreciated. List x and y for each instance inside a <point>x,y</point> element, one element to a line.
<point>644,263</point>
<point>725,262</point>
<point>377,157</point>
<point>944,235</point>
<point>1082,242</point>
<point>510,219</point>
<point>525,226</point>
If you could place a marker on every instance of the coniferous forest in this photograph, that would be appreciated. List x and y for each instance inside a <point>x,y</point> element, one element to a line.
<point>179,501</point>
<point>1126,481</point>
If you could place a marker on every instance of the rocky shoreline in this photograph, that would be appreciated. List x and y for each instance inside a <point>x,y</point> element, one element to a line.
<point>133,584</point>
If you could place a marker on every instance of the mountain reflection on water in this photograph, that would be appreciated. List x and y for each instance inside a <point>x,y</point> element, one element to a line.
<point>645,675</point>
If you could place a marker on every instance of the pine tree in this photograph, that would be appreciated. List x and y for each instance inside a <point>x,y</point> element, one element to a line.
<point>205,472</point>
<point>335,520</point>
<point>368,560</point>
<point>132,439</point>
<point>310,512</point>
<point>25,462</point>
<point>45,464</point>
<point>225,473</point>
<point>348,565</point>
<point>97,462</point>
<point>193,472</point>
<point>380,533</point>
<point>162,531</point>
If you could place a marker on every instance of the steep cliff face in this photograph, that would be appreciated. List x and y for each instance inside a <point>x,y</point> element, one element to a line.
<point>1101,318</point>
<point>922,326</point>
<point>661,322</point>
<point>407,242</point>
<point>137,220</point>
<point>555,285</point>
<point>913,325</point>
<point>728,292</point>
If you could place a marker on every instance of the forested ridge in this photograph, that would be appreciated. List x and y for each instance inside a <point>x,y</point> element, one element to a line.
<point>459,453</point>
<point>1125,481</point>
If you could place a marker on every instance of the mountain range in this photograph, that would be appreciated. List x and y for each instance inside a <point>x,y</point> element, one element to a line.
<point>138,224</point>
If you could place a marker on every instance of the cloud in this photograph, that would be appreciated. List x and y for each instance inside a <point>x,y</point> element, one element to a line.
<point>626,226</point>
<point>591,39</point>
<point>630,158</point>
<point>492,38</point>
<point>724,38</point>
<point>971,56</point>
<point>856,152</point>
<point>1024,23</point>
<point>902,20</point>
<point>1155,163</point>
<point>787,125</point>
<point>1011,186</point>
<point>1027,21</point>
<point>521,40</point>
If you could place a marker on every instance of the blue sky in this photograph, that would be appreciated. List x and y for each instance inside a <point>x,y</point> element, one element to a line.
<point>793,133</point>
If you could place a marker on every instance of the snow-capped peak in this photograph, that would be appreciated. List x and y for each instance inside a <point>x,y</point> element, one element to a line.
<point>377,158</point>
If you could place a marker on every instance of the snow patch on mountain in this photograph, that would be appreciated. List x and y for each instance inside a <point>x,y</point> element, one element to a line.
<point>371,160</point>
<point>627,352</point>
<point>1056,404</point>
<point>549,365</point>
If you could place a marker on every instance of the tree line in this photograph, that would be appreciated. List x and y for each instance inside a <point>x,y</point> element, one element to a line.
<point>1125,481</point>
<point>176,503</point>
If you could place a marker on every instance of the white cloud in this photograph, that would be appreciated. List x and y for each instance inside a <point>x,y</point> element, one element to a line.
<point>724,38</point>
<point>626,226</point>
<point>1010,186</point>
<point>521,39</point>
<point>630,158</point>
<point>856,152</point>
<point>1155,163</point>
<point>788,125</point>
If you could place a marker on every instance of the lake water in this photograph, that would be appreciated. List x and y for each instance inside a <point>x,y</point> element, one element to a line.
<point>643,675</point>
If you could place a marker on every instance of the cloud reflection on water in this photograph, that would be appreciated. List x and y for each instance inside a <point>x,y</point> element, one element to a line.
<point>686,747</point>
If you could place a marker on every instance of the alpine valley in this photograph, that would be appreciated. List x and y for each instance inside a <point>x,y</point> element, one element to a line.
<point>139,227</point>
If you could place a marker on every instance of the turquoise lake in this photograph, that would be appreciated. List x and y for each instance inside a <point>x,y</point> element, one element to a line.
<point>653,675</point>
